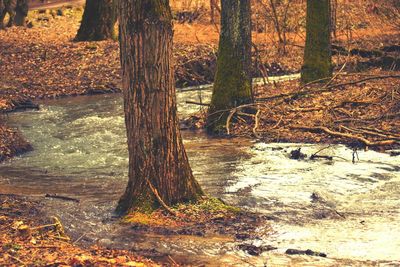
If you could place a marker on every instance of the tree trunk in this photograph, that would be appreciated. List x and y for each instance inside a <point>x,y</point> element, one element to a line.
<point>98,21</point>
<point>157,157</point>
<point>317,54</point>
<point>232,83</point>
<point>21,12</point>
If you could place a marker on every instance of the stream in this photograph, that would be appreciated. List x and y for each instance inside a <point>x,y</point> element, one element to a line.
<point>80,151</point>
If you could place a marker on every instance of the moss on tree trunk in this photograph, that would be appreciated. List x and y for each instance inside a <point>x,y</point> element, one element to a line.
<point>232,83</point>
<point>156,152</point>
<point>98,21</point>
<point>317,54</point>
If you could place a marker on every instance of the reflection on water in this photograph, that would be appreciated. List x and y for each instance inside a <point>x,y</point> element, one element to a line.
<point>80,151</point>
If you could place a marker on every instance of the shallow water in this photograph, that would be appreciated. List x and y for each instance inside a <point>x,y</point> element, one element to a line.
<point>80,151</point>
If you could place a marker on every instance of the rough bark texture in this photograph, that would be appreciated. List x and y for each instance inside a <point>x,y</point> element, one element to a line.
<point>317,54</point>
<point>232,83</point>
<point>156,152</point>
<point>98,21</point>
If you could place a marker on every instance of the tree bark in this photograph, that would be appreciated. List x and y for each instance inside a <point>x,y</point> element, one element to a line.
<point>21,12</point>
<point>157,157</point>
<point>232,83</point>
<point>317,54</point>
<point>98,21</point>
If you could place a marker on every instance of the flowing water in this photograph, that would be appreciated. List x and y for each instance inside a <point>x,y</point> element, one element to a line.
<point>80,151</point>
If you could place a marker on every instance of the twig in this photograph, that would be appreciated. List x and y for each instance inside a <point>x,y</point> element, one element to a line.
<point>336,75</point>
<point>277,124</point>
<point>17,259</point>
<point>44,226</point>
<point>76,241</point>
<point>172,260</point>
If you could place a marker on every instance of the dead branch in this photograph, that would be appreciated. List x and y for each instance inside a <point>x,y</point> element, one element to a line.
<point>385,116</point>
<point>346,135</point>
<point>256,123</point>
<point>362,131</point>
<point>381,131</point>
<point>336,75</point>
<point>325,89</point>
<point>159,199</point>
<point>197,103</point>
<point>228,120</point>
<point>62,197</point>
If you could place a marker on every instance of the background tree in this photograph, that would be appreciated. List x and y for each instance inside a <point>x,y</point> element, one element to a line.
<point>317,54</point>
<point>232,83</point>
<point>157,158</point>
<point>21,12</point>
<point>98,21</point>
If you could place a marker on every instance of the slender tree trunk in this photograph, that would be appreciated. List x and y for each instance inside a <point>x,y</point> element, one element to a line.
<point>156,153</point>
<point>317,54</point>
<point>98,21</point>
<point>232,83</point>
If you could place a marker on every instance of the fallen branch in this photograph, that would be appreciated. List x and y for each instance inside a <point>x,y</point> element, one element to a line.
<point>381,131</point>
<point>385,116</point>
<point>371,133</point>
<point>256,123</point>
<point>325,89</point>
<point>228,120</point>
<point>197,103</point>
<point>159,199</point>
<point>315,155</point>
<point>62,197</point>
<point>346,135</point>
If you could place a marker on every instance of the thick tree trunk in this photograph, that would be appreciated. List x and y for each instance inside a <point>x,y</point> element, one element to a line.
<point>98,21</point>
<point>156,153</point>
<point>317,54</point>
<point>232,83</point>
